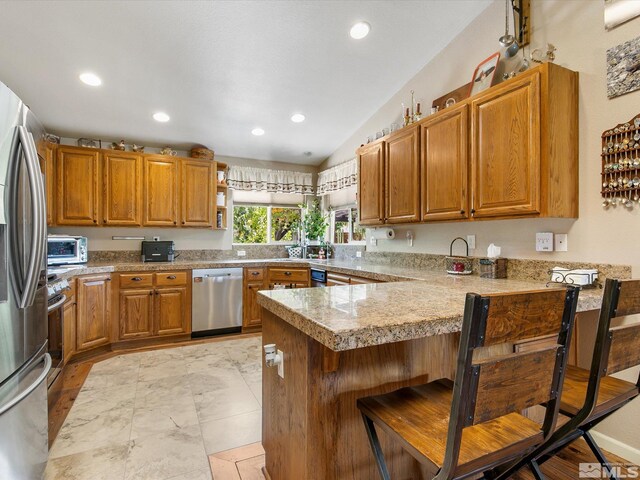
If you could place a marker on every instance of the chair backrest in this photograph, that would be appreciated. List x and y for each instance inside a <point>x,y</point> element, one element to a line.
<point>502,384</point>
<point>616,348</point>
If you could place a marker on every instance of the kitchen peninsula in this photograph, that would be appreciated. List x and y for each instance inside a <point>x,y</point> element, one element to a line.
<point>347,342</point>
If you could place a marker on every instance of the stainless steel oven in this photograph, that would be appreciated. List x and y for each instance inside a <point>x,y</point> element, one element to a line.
<point>66,249</point>
<point>55,314</point>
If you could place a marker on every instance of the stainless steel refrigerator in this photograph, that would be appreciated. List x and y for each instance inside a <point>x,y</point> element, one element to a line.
<point>24,361</point>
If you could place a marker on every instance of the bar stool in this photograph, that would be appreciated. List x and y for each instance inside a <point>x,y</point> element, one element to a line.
<point>475,424</point>
<point>590,396</point>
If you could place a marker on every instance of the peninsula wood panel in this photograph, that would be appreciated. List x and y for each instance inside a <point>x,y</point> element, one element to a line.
<point>444,165</point>
<point>313,413</point>
<point>93,312</point>
<point>136,313</point>
<point>160,191</point>
<point>78,186</point>
<point>505,157</point>
<point>371,198</point>
<point>122,204</point>
<point>198,193</point>
<point>402,177</point>
<point>69,322</point>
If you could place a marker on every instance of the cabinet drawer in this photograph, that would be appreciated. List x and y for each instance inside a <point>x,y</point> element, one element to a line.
<point>134,280</point>
<point>252,274</point>
<point>292,275</point>
<point>170,278</point>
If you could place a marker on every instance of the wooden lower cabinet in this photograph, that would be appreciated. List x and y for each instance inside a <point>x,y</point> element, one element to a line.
<point>170,311</point>
<point>154,305</point>
<point>93,321</point>
<point>251,317</point>
<point>69,323</point>
<point>136,313</point>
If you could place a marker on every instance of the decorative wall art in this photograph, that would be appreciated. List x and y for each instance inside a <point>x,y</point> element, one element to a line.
<point>623,68</point>
<point>484,73</point>
<point>617,12</point>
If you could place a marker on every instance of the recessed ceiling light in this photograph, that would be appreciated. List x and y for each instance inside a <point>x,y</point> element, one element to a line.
<point>297,118</point>
<point>360,30</point>
<point>90,79</point>
<point>161,117</point>
<point>257,132</point>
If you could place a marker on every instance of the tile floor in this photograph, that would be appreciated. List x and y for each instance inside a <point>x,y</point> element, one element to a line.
<point>157,415</point>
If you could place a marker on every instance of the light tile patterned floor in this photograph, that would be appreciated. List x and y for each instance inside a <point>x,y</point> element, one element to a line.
<point>157,415</point>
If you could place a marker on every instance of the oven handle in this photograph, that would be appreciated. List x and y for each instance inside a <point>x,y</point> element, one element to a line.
<point>57,304</point>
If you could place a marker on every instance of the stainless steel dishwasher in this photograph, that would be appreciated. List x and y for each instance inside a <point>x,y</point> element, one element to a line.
<point>216,297</point>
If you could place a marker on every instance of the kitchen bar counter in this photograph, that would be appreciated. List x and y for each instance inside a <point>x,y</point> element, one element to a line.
<point>355,316</point>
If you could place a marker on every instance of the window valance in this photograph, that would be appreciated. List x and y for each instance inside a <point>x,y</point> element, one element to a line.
<point>338,177</point>
<point>267,180</point>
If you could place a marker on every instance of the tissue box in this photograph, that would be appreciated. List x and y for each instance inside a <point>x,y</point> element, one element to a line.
<point>493,267</point>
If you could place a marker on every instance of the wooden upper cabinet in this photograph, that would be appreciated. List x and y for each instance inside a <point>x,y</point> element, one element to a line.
<point>371,184</point>
<point>198,193</point>
<point>505,157</point>
<point>160,204</point>
<point>78,186</point>
<point>402,173</point>
<point>93,311</point>
<point>122,189</point>
<point>50,183</point>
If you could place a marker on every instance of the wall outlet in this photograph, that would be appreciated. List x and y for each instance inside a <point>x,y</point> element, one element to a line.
<point>544,242</point>
<point>358,254</point>
<point>561,242</point>
<point>281,364</point>
<point>242,253</point>
<point>471,240</point>
<point>156,239</point>
<point>373,241</point>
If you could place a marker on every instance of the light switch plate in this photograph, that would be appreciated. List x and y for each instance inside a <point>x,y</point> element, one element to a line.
<point>358,254</point>
<point>544,242</point>
<point>561,242</point>
<point>281,364</point>
<point>471,241</point>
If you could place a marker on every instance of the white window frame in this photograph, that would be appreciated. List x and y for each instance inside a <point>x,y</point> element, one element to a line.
<point>269,206</point>
<point>351,241</point>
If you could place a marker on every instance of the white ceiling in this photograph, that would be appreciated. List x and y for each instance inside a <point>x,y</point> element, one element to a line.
<point>220,68</point>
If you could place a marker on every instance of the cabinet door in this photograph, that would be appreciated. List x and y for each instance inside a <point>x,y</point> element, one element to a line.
<point>136,313</point>
<point>198,193</point>
<point>78,186</point>
<point>444,165</point>
<point>251,310</point>
<point>160,191</point>
<point>505,154</point>
<point>172,315</point>
<point>371,184</point>
<point>122,203</point>
<point>69,334</point>
<point>93,313</point>
<point>402,174</point>
<point>50,184</point>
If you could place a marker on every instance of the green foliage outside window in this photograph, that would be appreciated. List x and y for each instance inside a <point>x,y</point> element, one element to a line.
<point>284,224</point>
<point>249,224</point>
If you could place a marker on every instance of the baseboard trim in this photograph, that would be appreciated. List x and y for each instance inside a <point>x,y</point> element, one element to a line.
<point>617,447</point>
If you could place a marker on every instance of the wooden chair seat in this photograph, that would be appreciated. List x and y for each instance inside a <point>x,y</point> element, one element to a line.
<point>612,392</point>
<point>418,417</point>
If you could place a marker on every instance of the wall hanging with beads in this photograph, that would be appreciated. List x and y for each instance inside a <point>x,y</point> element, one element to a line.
<point>621,164</point>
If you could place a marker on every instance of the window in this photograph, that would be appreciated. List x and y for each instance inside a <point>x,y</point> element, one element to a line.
<point>345,227</point>
<point>265,224</point>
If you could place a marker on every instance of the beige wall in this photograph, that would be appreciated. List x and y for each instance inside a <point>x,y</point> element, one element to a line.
<point>185,238</point>
<point>576,28</point>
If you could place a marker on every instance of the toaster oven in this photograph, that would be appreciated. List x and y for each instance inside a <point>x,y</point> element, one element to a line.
<point>66,249</point>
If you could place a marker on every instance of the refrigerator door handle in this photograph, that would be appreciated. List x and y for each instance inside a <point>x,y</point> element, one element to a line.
<point>38,232</point>
<point>16,400</point>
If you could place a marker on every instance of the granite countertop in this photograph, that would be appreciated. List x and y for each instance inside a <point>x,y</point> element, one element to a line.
<point>355,316</point>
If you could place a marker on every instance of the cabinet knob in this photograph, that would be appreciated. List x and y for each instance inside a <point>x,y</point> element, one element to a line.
<point>174,222</point>
<point>95,221</point>
<point>107,279</point>
<point>255,273</point>
<point>473,211</point>
<point>461,212</point>
<point>183,222</point>
<point>287,273</point>
<point>136,279</point>
<point>150,293</point>
<point>171,277</point>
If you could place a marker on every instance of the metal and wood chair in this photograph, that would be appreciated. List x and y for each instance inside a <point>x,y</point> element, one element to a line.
<point>476,425</point>
<point>590,396</point>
